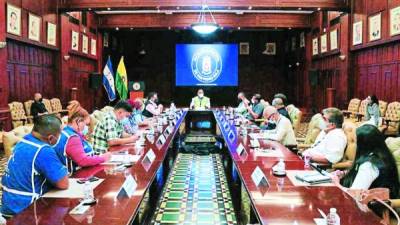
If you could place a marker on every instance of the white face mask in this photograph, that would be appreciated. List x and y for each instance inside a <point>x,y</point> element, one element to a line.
<point>201,95</point>
<point>323,125</point>
<point>85,130</point>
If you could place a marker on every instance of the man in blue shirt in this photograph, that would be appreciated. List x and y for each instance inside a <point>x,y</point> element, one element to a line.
<point>255,110</point>
<point>34,167</point>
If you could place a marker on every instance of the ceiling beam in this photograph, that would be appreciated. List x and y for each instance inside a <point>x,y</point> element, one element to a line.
<point>264,20</point>
<point>69,5</point>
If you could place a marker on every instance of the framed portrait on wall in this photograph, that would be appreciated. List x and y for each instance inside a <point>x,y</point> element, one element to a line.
<point>374,27</point>
<point>324,43</point>
<point>13,20</point>
<point>294,45</point>
<point>315,46</point>
<point>302,40</point>
<point>244,48</point>
<point>105,39</point>
<point>75,41</point>
<point>270,49</point>
<point>334,39</point>
<point>51,34</point>
<point>395,21</point>
<point>93,47</point>
<point>85,44</point>
<point>34,23</point>
<point>357,33</point>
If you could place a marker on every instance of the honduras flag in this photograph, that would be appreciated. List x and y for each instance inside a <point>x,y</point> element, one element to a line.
<point>108,80</point>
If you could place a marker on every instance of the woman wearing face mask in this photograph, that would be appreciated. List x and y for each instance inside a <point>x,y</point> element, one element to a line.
<point>72,148</point>
<point>372,114</point>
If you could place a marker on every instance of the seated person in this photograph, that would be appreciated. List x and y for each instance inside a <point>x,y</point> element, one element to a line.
<point>34,167</point>
<point>283,97</point>
<point>109,131</point>
<point>38,108</point>
<point>72,148</point>
<point>331,142</point>
<point>374,165</point>
<point>132,123</point>
<point>200,102</point>
<point>278,104</point>
<point>278,127</point>
<point>255,110</point>
<point>373,113</point>
<point>151,108</point>
<point>241,108</point>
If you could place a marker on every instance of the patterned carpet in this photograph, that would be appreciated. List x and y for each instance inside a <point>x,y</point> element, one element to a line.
<point>3,164</point>
<point>196,193</point>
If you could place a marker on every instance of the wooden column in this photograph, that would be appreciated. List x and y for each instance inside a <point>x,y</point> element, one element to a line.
<point>330,97</point>
<point>74,94</point>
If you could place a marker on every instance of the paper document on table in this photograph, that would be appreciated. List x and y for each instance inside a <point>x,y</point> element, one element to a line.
<point>124,158</point>
<point>300,178</point>
<point>75,190</point>
<point>268,153</point>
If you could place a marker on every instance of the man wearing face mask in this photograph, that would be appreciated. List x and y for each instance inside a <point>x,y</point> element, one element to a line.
<point>331,142</point>
<point>72,148</point>
<point>200,102</point>
<point>241,108</point>
<point>110,132</point>
<point>279,105</point>
<point>38,108</point>
<point>278,127</point>
<point>33,168</point>
<point>151,106</point>
<point>255,110</point>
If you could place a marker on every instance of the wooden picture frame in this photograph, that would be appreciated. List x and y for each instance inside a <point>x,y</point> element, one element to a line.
<point>395,21</point>
<point>302,40</point>
<point>324,43</point>
<point>51,34</point>
<point>375,27</point>
<point>244,48</point>
<point>93,47</point>
<point>34,27</point>
<point>315,46</point>
<point>270,48</point>
<point>75,41</point>
<point>13,20</point>
<point>85,44</point>
<point>333,35</point>
<point>358,33</point>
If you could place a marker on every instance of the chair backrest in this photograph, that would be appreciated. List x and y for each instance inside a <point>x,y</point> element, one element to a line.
<point>394,147</point>
<point>107,109</point>
<point>11,138</point>
<point>354,105</point>
<point>349,129</point>
<point>98,115</point>
<point>55,104</point>
<point>313,128</point>
<point>393,113</point>
<point>363,107</point>
<point>383,107</point>
<point>28,105</point>
<point>17,113</point>
<point>295,115</point>
<point>47,104</point>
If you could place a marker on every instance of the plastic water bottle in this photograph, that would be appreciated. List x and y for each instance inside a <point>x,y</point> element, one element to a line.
<point>333,218</point>
<point>281,167</point>
<point>88,191</point>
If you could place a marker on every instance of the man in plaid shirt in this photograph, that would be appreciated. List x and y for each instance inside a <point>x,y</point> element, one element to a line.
<point>109,131</point>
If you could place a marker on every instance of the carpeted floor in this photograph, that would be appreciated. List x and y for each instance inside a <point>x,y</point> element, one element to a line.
<point>3,165</point>
<point>196,193</point>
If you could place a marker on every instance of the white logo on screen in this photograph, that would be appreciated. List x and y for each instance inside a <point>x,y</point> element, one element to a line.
<point>206,65</point>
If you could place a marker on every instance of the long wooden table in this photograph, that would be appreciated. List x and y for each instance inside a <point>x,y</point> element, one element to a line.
<point>281,203</point>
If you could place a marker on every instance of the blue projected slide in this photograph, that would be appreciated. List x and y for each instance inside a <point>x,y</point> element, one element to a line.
<point>206,65</point>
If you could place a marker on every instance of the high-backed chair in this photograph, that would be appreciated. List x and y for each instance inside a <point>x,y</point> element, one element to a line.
<point>349,129</point>
<point>11,138</point>
<point>47,104</point>
<point>361,110</point>
<point>312,132</point>
<point>98,115</point>
<point>107,109</point>
<point>295,115</point>
<point>390,127</point>
<point>56,106</point>
<point>18,115</point>
<point>28,106</point>
<point>383,107</point>
<point>353,107</point>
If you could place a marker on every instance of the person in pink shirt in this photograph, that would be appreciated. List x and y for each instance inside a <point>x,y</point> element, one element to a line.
<point>72,147</point>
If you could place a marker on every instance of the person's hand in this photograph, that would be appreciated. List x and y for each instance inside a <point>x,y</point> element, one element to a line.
<point>106,156</point>
<point>335,179</point>
<point>339,173</point>
<point>133,138</point>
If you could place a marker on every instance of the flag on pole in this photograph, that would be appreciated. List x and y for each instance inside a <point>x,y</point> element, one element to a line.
<point>108,80</point>
<point>121,80</point>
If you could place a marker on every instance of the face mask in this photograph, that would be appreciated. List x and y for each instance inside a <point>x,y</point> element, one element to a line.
<point>201,95</point>
<point>322,125</point>
<point>85,130</point>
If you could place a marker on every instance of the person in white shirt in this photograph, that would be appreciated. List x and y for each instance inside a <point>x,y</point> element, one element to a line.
<point>278,127</point>
<point>243,101</point>
<point>331,142</point>
<point>374,165</point>
<point>151,106</point>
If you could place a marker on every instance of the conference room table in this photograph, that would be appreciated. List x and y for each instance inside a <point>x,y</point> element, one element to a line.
<point>278,203</point>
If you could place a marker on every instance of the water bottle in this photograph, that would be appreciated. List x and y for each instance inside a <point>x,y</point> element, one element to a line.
<point>88,191</point>
<point>333,218</point>
<point>281,167</point>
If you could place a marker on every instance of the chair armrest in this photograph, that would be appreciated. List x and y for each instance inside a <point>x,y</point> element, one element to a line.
<point>346,113</point>
<point>300,139</point>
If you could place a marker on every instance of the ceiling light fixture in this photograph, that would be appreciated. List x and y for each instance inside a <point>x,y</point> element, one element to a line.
<point>202,26</point>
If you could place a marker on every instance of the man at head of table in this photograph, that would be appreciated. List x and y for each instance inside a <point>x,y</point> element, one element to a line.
<point>200,102</point>
<point>110,132</point>
<point>34,167</point>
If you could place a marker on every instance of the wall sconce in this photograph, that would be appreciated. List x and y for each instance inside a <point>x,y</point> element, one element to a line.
<point>3,44</point>
<point>342,57</point>
<point>66,57</point>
